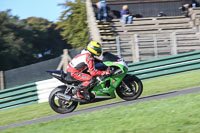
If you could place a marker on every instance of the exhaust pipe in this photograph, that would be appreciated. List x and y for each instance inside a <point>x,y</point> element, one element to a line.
<point>69,98</point>
<point>63,96</point>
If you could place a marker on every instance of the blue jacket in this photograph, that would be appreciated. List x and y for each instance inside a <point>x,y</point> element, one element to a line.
<point>102,3</point>
<point>124,12</point>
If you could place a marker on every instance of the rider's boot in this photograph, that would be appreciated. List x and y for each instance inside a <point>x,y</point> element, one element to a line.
<point>78,94</point>
<point>82,94</point>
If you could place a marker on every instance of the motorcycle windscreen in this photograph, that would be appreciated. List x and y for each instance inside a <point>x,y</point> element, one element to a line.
<point>110,57</point>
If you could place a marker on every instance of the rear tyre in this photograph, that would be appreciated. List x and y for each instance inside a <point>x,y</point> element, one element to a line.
<point>59,105</point>
<point>130,88</point>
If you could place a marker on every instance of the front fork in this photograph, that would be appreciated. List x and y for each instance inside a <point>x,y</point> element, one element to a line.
<point>126,87</point>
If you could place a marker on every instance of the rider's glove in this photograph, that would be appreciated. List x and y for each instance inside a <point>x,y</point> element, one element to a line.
<point>108,71</point>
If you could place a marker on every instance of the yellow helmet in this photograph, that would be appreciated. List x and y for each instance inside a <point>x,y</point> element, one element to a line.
<point>95,48</point>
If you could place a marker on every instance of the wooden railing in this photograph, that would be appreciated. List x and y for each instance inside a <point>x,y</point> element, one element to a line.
<point>150,46</point>
<point>154,25</point>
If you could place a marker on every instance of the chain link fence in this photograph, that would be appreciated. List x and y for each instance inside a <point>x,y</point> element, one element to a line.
<point>32,73</point>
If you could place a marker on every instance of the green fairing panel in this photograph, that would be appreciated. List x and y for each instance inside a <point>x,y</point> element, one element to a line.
<point>122,67</point>
<point>100,90</point>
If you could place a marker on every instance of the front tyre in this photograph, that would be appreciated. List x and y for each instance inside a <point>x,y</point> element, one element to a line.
<point>130,88</point>
<point>59,105</point>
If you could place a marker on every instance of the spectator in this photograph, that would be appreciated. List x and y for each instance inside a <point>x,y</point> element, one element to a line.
<point>185,7</point>
<point>161,14</point>
<point>125,15</point>
<point>195,3</point>
<point>198,3</point>
<point>102,8</point>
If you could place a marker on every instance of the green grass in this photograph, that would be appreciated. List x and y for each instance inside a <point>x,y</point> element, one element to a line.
<point>153,86</point>
<point>179,114</point>
<point>171,83</point>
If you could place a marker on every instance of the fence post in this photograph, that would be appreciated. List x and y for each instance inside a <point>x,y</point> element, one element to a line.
<point>135,48</point>
<point>118,46</point>
<point>197,24</point>
<point>2,80</point>
<point>155,46</point>
<point>64,61</point>
<point>173,44</point>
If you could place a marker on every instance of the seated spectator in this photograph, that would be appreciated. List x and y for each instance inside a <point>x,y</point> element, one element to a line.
<point>102,8</point>
<point>195,3</point>
<point>198,3</point>
<point>125,15</point>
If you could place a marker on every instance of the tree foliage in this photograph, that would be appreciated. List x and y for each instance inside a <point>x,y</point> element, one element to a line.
<point>47,42</point>
<point>73,23</point>
<point>31,40</point>
<point>12,43</point>
<point>27,41</point>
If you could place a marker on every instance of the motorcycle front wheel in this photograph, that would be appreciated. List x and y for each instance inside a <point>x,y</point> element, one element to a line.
<point>59,105</point>
<point>130,88</point>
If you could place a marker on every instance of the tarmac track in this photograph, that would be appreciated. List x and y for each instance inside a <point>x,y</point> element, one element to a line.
<point>142,99</point>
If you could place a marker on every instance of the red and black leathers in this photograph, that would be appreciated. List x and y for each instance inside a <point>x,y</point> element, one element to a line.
<point>81,62</point>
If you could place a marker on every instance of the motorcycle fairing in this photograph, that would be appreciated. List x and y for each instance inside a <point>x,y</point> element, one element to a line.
<point>102,89</point>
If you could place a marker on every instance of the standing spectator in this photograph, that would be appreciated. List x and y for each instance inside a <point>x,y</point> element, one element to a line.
<point>125,15</point>
<point>185,7</point>
<point>102,7</point>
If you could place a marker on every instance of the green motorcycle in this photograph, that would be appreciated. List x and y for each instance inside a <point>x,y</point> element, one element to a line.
<point>127,87</point>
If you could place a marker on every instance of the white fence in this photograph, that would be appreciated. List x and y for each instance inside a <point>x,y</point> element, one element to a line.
<point>149,46</point>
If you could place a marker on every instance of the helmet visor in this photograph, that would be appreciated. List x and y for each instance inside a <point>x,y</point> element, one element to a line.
<point>97,50</point>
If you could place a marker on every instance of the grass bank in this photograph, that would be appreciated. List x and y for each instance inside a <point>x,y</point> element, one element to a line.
<point>151,87</point>
<point>179,114</point>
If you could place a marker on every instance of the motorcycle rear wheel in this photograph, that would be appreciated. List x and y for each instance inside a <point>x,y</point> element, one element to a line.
<point>130,88</point>
<point>59,105</point>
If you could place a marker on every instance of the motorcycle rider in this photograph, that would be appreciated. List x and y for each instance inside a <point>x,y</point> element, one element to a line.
<point>83,61</point>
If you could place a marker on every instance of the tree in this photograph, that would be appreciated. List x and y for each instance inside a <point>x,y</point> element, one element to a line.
<point>12,44</point>
<point>47,41</point>
<point>73,23</point>
<point>27,41</point>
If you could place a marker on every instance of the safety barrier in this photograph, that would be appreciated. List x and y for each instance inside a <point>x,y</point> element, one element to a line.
<point>17,96</point>
<point>45,87</point>
<point>27,94</point>
<point>39,91</point>
<point>166,65</point>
